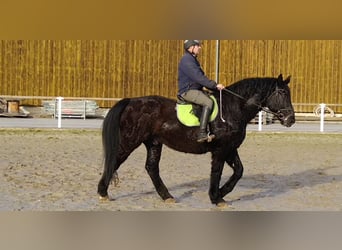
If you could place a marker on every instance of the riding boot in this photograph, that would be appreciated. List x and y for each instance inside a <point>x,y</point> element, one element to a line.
<point>203,134</point>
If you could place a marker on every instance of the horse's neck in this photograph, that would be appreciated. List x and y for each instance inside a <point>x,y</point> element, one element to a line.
<point>250,94</point>
<point>251,104</point>
<point>251,114</point>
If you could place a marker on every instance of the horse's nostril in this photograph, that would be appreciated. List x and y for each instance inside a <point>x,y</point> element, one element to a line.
<point>290,120</point>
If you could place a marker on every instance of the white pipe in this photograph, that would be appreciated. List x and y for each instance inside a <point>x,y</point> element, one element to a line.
<point>322,116</point>
<point>217,60</point>
<point>59,125</point>
<point>84,109</point>
<point>260,121</point>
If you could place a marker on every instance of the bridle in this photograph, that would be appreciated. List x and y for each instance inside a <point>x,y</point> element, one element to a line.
<point>277,114</point>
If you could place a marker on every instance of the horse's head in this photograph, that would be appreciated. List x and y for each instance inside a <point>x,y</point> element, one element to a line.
<point>279,102</point>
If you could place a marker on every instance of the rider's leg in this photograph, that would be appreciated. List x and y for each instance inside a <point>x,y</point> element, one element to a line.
<point>198,97</point>
<point>203,134</point>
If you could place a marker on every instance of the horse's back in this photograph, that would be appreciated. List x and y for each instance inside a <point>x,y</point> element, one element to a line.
<point>151,106</point>
<point>144,116</point>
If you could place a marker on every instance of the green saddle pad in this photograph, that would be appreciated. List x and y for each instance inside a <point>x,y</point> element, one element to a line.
<point>186,117</point>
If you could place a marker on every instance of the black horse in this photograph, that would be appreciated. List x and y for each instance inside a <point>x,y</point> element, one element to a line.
<point>152,120</point>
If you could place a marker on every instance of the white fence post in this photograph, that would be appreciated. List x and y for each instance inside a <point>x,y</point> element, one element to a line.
<point>322,116</point>
<point>84,109</point>
<point>260,121</point>
<point>59,125</point>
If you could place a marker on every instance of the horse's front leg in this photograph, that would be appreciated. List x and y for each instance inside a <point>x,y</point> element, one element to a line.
<point>217,164</point>
<point>235,163</point>
<point>154,149</point>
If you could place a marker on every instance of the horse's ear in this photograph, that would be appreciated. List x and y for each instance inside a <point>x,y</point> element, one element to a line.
<point>287,80</point>
<point>280,78</point>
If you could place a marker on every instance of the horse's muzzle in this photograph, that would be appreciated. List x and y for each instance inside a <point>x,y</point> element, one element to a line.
<point>287,120</point>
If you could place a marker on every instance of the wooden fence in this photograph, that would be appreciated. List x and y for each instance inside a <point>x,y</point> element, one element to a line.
<point>128,68</point>
<point>315,66</point>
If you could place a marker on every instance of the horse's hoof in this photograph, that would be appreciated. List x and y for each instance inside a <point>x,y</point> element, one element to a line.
<point>170,200</point>
<point>104,198</point>
<point>222,204</point>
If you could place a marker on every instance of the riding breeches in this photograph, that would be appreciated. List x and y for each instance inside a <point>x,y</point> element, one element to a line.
<point>198,97</point>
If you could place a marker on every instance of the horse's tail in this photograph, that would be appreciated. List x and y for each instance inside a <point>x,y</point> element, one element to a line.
<point>111,139</point>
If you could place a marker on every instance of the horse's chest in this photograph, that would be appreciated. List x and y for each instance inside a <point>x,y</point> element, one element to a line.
<point>235,139</point>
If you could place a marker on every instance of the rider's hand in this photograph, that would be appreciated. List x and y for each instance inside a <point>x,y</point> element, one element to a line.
<point>220,86</point>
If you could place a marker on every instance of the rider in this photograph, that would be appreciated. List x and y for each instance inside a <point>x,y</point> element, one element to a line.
<point>191,80</point>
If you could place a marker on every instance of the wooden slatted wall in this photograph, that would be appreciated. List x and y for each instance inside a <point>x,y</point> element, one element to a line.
<point>103,69</point>
<point>128,68</point>
<point>315,66</point>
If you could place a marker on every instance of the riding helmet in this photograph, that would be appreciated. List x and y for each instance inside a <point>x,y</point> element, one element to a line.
<point>189,43</point>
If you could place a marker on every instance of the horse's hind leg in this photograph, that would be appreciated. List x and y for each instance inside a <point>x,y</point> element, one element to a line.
<point>154,149</point>
<point>104,183</point>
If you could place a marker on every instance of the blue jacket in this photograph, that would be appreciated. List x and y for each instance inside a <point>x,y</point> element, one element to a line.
<point>191,75</point>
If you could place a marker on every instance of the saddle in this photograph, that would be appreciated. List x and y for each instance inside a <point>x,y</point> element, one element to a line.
<point>189,114</point>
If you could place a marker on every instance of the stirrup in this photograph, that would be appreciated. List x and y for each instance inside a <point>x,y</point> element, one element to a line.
<point>209,138</point>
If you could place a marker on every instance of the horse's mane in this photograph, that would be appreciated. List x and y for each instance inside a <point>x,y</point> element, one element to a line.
<point>251,86</point>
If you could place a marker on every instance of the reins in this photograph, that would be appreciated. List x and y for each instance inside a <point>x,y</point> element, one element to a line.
<point>278,114</point>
